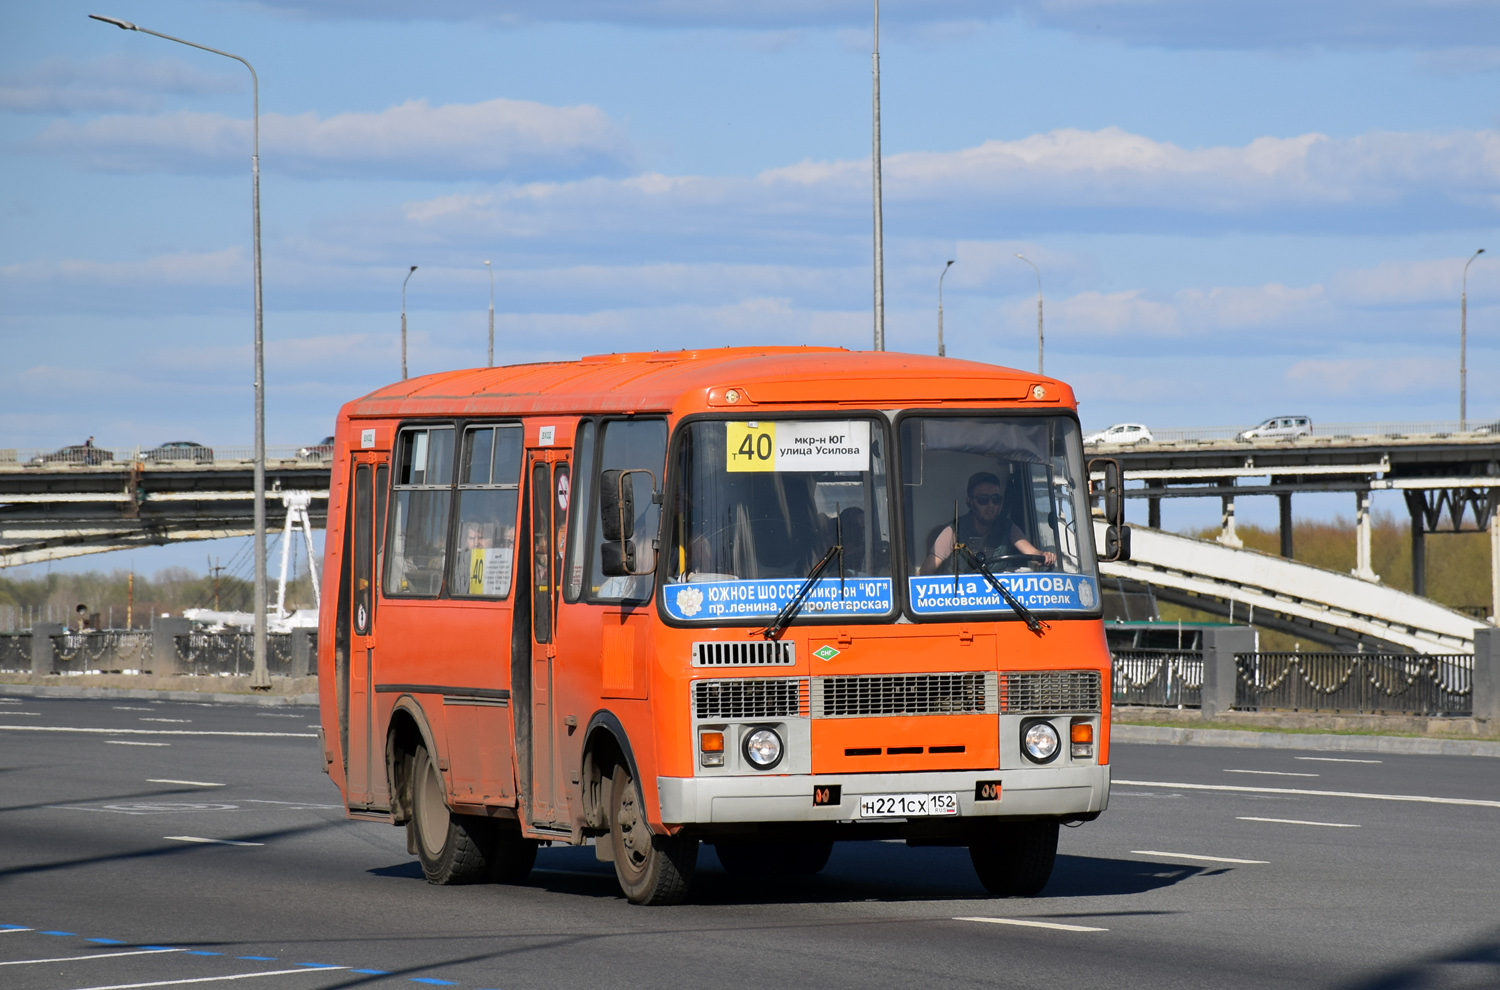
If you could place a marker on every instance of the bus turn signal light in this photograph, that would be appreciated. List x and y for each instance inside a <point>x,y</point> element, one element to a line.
<point>1082,735</point>
<point>711,748</point>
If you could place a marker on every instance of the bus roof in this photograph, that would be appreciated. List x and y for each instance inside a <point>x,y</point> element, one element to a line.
<point>725,379</point>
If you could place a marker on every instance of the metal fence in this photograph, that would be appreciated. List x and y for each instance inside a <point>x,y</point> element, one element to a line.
<point>233,653</point>
<point>1369,683</point>
<point>15,653</point>
<point>123,651</point>
<point>1159,678</point>
<point>114,652</point>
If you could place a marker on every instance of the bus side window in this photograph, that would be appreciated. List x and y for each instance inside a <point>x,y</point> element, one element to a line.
<point>488,495</point>
<point>420,497</point>
<point>541,552</point>
<point>583,462</point>
<point>627,444</point>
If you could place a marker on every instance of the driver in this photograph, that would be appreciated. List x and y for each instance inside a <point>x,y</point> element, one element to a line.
<point>982,529</point>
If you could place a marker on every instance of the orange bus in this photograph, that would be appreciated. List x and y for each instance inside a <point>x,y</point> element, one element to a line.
<point>765,598</point>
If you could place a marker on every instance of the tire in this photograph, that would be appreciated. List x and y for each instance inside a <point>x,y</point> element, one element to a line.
<point>1015,859</point>
<point>652,869</point>
<point>451,848</point>
<point>751,859</point>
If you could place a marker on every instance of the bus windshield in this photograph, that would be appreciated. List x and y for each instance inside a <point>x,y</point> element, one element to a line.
<point>1002,493</point>
<point>759,503</point>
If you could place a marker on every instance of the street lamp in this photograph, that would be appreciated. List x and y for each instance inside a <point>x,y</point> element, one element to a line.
<point>942,352</point>
<point>259,679</point>
<point>403,321</point>
<point>1038,312</point>
<point>1463,347</point>
<point>491,270</point>
<point>875,163</point>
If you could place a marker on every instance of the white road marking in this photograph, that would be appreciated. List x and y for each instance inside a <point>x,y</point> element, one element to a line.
<point>9,712</point>
<point>304,804</point>
<point>157,732</point>
<point>128,742</point>
<point>211,842</point>
<point>1274,773</point>
<point>128,708</point>
<point>1201,859</point>
<point>189,783</point>
<point>1035,924</point>
<point>7,931</point>
<point>1293,821</point>
<point>1335,759</point>
<point>275,715</point>
<point>1420,799</point>
<point>216,979</point>
<point>97,955</point>
<point>182,720</point>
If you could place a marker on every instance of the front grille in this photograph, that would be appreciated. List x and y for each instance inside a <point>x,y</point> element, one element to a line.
<point>904,694</point>
<point>750,698</point>
<point>1043,692</point>
<point>762,653</point>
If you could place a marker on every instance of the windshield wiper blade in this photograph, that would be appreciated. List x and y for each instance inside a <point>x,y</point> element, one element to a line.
<point>790,609</point>
<point>977,562</point>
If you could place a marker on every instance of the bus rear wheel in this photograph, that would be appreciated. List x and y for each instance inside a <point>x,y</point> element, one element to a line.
<point>652,869</point>
<point>451,848</point>
<point>761,858</point>
<point>1015,859</point>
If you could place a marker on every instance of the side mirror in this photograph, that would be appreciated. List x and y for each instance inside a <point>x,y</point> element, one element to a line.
<point>621,555</point>
<point>1116,533</point>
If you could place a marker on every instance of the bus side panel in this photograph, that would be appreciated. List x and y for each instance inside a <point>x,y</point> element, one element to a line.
<point>333,632</point>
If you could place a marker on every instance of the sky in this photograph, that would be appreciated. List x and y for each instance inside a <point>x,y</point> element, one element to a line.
<point>1237,209</point>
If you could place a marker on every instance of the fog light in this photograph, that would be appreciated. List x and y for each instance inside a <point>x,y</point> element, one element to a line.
<point>1041,742</point>
<point>1082,737</point>
<point>711,749</point>
<point>763,749</point>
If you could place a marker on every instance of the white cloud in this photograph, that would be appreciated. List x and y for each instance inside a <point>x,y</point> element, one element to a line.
<point>216,268</point>
<point>494,139</point>
<point>1396,376</point>
<point>112,82</point>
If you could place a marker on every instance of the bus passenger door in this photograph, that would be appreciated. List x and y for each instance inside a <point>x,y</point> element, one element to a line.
<point>547,488</point>
<point>366,781</point>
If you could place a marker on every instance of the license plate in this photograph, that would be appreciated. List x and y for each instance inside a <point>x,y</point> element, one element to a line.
<point>907,805</point>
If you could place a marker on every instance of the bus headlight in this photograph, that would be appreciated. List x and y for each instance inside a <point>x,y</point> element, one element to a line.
<point>763,749</point>
<point>1040,741</point>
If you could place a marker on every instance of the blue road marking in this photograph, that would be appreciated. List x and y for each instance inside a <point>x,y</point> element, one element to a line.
<point>159,948</point>
<point>106,941</point>
<point>258,958</point>
<point>436,983</point>
<point>318,965</point>
<point>69,934</point>
<point>14,927</point>
<point>200,952</point>
<point>372,972</point>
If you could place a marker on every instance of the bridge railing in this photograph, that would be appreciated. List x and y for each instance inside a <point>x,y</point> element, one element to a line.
<point>119,651</point>
<point>103,455</point>
<point>233,653</point>
<point>144,651</point>
<point>1365,683</point>
<point>1158,678</point>
<point>1426,428</point>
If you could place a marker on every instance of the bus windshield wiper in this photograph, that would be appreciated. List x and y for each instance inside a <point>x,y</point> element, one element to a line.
<point>790,609</point>
<point>977,562</point>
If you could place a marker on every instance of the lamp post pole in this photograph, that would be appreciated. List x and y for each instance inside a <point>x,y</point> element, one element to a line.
<point>1463,347</point>
<point>403,321</point>
<point>260,678</point>
<point>1038,312</point>
<point>491,270</point>
<point>879,223</point>
<point>942,352</point>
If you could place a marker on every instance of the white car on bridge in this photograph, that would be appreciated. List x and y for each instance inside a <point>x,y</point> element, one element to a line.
<point>1120,433</point>
<point>1277,427</point>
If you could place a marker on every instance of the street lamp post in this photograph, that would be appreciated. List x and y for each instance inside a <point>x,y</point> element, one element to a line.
<point>942,352</point>
<point>1463,347</point>
<point>491,270</point>
<point>403,321</point>
<point>1038,312</point>
<point>875,163</point>
<point>260,678</point>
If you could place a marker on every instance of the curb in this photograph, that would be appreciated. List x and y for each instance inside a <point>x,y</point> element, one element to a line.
<point>1240,739</point>
<point>143,694</point>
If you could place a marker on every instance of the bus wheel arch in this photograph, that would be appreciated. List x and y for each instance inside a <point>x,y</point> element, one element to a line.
<point>605,746</point>
<point>408,730</point>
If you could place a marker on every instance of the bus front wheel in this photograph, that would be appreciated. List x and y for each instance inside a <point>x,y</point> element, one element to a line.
<point>450,847</point>
<point>652,869</point>
<point>1015,859</point>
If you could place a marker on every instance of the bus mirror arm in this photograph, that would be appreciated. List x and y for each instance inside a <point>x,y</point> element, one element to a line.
<point>1116,533</point>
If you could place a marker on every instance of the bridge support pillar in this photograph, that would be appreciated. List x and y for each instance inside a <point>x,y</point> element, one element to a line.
<point>1153,512</point>
<point>1285,498</point>
<point>1220,672</point>
<point>1362,568</point>
<point>1418,548</point>
<point>1494,557</point>
<point>164,633</point>
<point>41,645</point>
<point>1227,535</point>
<point>1486,680</point>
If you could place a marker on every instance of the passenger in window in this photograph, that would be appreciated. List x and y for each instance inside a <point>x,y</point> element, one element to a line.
<point>983,529</point>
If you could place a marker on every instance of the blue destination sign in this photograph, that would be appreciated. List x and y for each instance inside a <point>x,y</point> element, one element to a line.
<point>701,601</point>
<point>939,594</point>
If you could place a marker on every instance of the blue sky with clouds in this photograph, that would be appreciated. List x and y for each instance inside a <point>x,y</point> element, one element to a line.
<point>1238,208</point>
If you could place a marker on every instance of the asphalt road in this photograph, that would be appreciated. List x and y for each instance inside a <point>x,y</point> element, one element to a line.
<point>106,880</point>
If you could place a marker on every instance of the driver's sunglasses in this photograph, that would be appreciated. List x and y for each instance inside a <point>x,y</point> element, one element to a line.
<point>987,499</point>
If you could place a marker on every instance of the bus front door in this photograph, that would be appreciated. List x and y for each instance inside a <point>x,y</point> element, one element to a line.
<point>366,785</point>
<point>548,485</point>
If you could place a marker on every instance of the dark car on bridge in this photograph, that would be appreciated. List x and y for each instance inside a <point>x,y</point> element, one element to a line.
<point>79,453</point>
<point>180,450</point>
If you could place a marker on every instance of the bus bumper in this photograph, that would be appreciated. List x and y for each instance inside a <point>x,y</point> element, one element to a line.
<point>1033,792</point>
